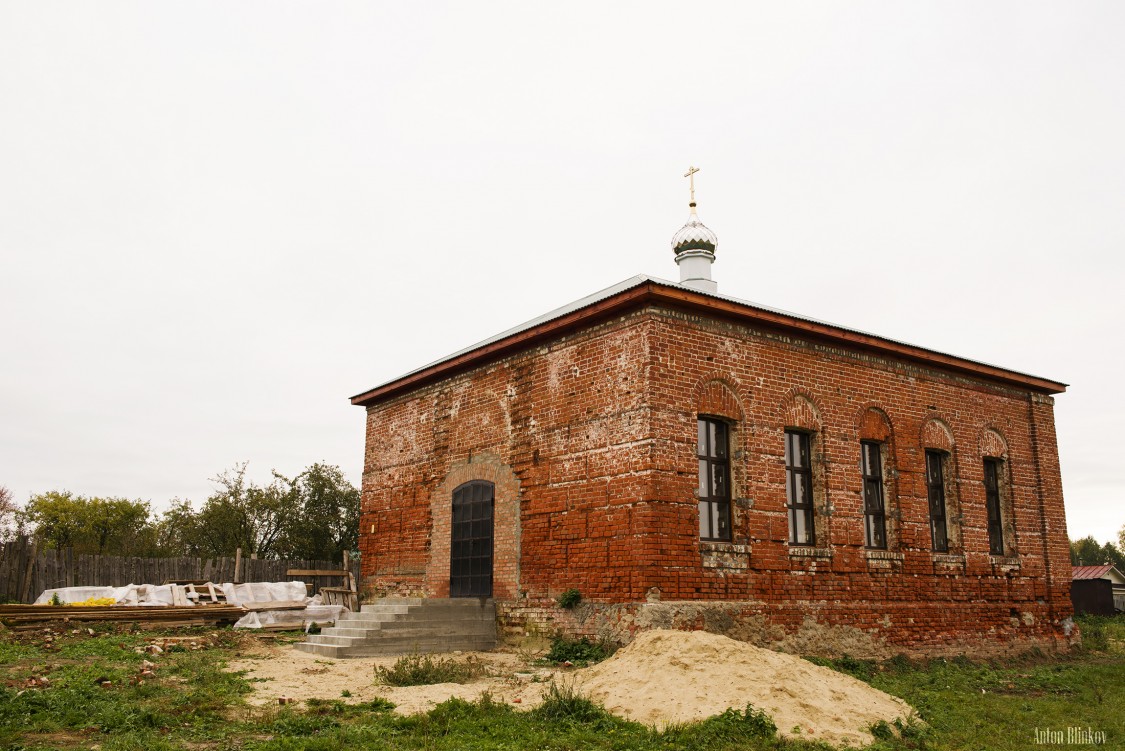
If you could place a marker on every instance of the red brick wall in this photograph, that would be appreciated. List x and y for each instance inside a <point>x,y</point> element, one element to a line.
<point>567,423</point>
<point>591,441</point>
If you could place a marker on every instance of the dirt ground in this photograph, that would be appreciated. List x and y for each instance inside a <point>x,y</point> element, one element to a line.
<point>283,672</point>
<point>662,677</point>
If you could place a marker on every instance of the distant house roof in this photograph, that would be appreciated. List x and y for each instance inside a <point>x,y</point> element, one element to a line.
<point>640,290</point>
<point>1106,571</point>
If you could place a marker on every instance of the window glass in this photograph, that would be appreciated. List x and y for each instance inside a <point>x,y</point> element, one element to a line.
<point>798,486</point>
<point>719,481</point>
<point>935,485</point>
<point>714,479</point>
<point>800,529</point>
<point>875,522</point>
<point>992,503</point>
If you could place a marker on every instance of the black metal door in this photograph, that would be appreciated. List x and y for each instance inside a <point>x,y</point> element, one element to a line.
<point>470,562</point>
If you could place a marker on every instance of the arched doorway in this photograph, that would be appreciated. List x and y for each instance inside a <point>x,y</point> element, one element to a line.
<point>470,550</point>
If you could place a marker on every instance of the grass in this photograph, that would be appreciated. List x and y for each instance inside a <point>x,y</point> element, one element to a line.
<point>963,705</point>
<point>424,670</point>
<point>997,705</point>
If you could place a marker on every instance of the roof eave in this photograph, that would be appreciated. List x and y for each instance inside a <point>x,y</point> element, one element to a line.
<point>680,297</point>
<point>493,350</point>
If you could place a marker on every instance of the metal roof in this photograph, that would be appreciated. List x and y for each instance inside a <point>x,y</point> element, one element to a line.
<point>549,316</point>
<point>641,279</point>
<point>1095,572</point>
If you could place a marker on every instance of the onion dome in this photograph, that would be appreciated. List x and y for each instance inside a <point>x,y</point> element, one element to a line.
<point>694,235</point>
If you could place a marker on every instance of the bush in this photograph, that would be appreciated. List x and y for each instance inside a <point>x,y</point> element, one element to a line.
<point>749,723</point>
<point>882,731</point>
<point>423,670</point>
<point>564,703</point>
<point>569,598</point>
<point>580,652</point>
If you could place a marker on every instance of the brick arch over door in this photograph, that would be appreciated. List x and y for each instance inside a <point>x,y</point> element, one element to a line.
<point>506,525</point>
<point>479,421</point>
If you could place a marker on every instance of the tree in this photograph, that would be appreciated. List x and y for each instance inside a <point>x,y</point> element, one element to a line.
<point>327,523</point>
<point>99,526</point>
<point>1087,552</point>
<point>177,530</point>
<point>239,514</point>
<point>8,512</point>
<point>314,515</point>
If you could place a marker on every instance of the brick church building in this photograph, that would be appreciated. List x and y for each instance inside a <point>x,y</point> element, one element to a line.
<point>687,459</point>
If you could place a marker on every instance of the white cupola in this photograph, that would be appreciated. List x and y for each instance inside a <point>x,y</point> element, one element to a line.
<point>694,246</point>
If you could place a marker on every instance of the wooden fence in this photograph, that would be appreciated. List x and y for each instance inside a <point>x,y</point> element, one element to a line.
<point>26,571</point>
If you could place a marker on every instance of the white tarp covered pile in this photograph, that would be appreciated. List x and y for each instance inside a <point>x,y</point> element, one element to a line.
<point>130,594</point>
<point>260,594</point>
<point>255,595</point>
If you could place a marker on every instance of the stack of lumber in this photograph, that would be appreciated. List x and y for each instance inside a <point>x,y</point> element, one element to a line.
<point>26,617</point>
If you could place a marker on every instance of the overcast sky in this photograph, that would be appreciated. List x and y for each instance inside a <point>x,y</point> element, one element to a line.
<point>218,221</point>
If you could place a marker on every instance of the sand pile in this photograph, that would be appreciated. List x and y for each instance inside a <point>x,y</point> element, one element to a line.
<point>666,677</point>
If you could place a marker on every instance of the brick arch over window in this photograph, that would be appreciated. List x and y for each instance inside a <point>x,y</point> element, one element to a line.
<point>936,434</point>
<point>801,410</point>
<point>506,525</point>
<point>718,396</point>
<point>873,425</point>
<point>992,443</point>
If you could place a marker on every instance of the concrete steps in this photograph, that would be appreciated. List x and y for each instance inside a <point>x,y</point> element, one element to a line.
<point>406,625</point>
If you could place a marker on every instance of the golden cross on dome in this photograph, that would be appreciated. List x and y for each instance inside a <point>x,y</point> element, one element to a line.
<point>690,175</point>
